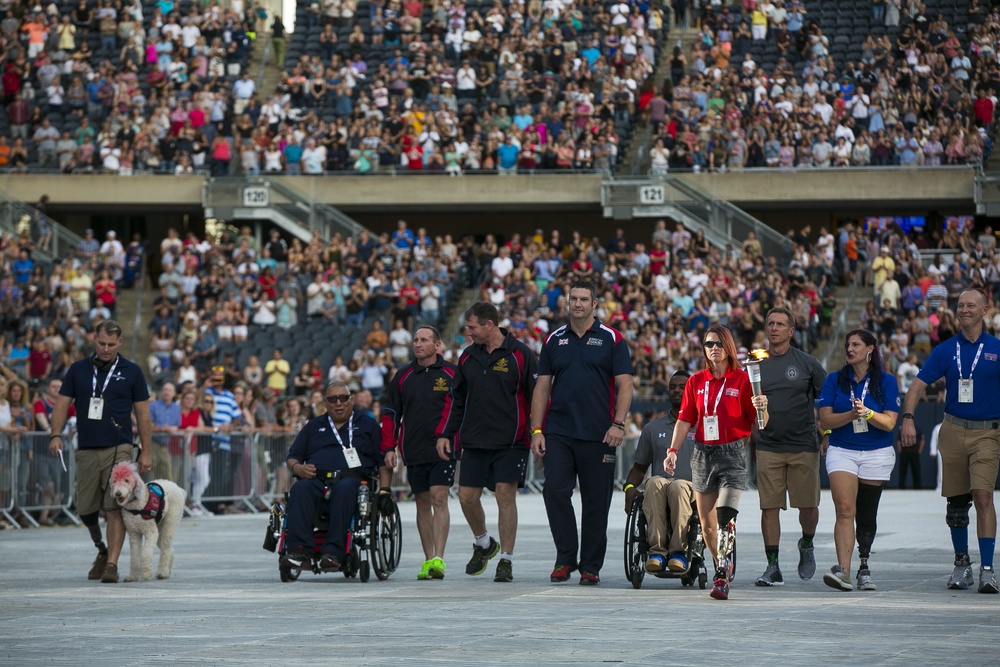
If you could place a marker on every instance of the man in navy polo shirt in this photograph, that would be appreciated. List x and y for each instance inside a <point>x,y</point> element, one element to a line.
<point>586,369</point>
<point>104,389</point>
<point>330,457</point>
<point>969,442</point>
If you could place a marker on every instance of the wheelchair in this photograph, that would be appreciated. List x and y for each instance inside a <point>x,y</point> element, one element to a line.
<point>637,551</point>
<point>374,541</point>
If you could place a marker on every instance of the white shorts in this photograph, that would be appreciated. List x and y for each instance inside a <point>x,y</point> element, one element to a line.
<point>873,464</point>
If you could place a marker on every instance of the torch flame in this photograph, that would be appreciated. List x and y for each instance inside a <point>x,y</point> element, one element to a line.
<point>757,355</point>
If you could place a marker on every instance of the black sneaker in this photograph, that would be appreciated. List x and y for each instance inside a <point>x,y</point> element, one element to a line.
<point>329,563</point>
<point>296,558</point>
<point>481,557</point>
<point>505,572</point>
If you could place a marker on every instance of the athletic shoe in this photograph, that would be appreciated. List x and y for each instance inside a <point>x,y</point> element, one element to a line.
<point>505,572</point>
<point>100,564</point>
<point>865,581</point>
<point>987,580</point>
<point>329,563</point>
<point>677,562</point>
<point>561,573</point>
<point>656,563</point>
<point>437,568</point>
<point>481,557</point>
<point>771,577</point>
<point>111,575</point>
<point>720,589</point>
<point>589,578</point>
<point>425,571</point>
<point>837,578</point>
<point>807,561</point>
<point>961,578</point>
<point>296,558</point>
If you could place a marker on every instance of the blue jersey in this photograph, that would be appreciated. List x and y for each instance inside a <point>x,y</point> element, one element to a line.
<point>583,370</point>
<point>125,387</point>
<point>833,397</point>
<point>942,362</point>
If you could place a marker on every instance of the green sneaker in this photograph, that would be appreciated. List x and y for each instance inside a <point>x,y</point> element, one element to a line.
<point>425,570</point>
<point>437,568</point>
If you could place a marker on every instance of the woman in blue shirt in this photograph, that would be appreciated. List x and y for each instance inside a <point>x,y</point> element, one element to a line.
<point>857,408</point>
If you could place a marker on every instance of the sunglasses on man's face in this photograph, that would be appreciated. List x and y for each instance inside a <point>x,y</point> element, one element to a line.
<point>338,398</point>
<point>709,344</point>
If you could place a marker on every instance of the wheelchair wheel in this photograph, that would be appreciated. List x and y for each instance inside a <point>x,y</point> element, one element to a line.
<point>352,563</point>
<point>288,574</point>
<point>364,571</point>
<point>702,580</point>
<point>386,542</point>
<point>635,545</point>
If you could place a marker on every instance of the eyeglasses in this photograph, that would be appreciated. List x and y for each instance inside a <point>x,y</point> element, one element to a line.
<point>204,402</point>
<point>339,398</point>
<point>709,344</point>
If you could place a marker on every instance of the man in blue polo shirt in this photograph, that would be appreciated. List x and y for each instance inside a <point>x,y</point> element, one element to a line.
<point>104,389</point>
<point>969,442</point>
<point>330,457</point>
<point>586,370</point>
<point>165,414</point>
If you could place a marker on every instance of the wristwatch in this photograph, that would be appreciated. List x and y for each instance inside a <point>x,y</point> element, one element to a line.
<point>907,415</point>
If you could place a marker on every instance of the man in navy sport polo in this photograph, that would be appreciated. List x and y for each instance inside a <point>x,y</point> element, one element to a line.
<point>105,389</point>
<point>586,371</point>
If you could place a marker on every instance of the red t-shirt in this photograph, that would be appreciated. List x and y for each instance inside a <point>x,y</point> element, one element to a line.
<point>736,412</point>
<point>38,363</point>
<point>411,294</point>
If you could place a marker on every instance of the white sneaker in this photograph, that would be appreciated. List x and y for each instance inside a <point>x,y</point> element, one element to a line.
<point>865,581</point>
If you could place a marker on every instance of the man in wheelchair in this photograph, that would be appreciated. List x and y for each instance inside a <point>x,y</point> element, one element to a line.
<point>330,457</point>
<point>666,502</point>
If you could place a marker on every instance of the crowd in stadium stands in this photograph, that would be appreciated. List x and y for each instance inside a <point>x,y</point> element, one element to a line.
<point>919,91</point>
<point>453,87</point>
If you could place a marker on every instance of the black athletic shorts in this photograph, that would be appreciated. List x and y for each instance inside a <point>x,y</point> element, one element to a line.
<point>422,476</point>
<point>483,468</point>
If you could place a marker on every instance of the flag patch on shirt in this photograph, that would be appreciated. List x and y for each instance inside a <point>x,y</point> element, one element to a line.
<point>732,392</point>
<point>564,341</point>
<point>989,356</point>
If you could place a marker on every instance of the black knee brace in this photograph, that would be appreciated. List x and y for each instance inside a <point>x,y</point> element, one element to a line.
<point>90,520</point>
<point>866,518</point>
<point>958,511</point>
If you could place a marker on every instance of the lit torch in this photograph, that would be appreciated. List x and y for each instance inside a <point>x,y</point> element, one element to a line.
<point>754,357</point>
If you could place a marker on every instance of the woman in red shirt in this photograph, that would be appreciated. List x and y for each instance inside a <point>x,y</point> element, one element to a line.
<point>720,405</point>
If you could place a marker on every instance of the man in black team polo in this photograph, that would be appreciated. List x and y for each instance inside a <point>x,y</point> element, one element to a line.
<point>493,388</point>
<point>415,409</point>
<point>586,371</point>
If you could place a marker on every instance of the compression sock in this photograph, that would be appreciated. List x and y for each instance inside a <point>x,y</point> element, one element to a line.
<point>986,547</point>
<point>483,541</point>
<point>960,539</point>
<point>958,522</point>
<point>807,540</point>
<point>771,551</point>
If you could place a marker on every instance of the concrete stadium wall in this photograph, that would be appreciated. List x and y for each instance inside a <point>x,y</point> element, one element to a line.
<point>847,189</point>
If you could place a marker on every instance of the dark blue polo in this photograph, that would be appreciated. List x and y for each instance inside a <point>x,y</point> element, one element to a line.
<point>126,387</point>
<point>833,397</point>
<point>316,443</point>
<point>583,370</point>
<point>985,379</point>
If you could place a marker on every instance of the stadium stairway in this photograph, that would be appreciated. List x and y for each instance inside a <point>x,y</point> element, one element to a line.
<point>636,162</point>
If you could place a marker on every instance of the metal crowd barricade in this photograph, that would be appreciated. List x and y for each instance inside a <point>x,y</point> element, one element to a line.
<point>223,471</point>
<point>270,471</point>
<point>43,485</point>
<point>8,477</point>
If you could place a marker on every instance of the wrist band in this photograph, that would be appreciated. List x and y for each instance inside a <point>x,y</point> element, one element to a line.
<point>672,450</point>
<point>871,413</point>
<point>53,437</point>
<point>827,432</point>
<point>620,425</point>
<point>536,431</point>
<point>628,486</point>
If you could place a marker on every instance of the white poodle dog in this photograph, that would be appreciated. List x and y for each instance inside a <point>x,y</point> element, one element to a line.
<point>151,513</point>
